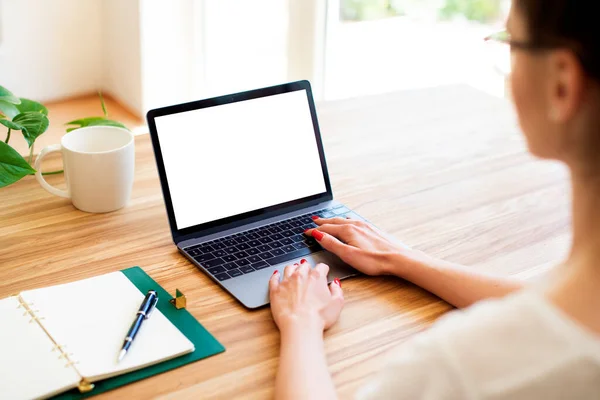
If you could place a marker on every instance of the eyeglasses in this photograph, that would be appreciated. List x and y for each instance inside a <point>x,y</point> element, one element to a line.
<point>506,38</point>
<point>588,62</point>
<point>500,56</point>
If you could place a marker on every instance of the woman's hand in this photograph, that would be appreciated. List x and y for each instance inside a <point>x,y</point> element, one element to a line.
<point>303,306</point>
<point>302,299</point>
<point>361,245</point>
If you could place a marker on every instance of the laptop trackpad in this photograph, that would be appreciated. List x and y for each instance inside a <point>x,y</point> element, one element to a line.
<point>253,291</point>
<point>337,268</point>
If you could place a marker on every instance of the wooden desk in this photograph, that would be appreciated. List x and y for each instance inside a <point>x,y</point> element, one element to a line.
<point>443,169</point>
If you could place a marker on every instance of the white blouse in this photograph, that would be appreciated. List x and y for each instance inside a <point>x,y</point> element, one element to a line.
<point>519,347</point>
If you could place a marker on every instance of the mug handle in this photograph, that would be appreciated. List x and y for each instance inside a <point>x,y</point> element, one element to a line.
<point>40,178</point>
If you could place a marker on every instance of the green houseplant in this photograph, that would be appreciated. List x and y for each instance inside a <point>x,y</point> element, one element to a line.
<point>29,117</point>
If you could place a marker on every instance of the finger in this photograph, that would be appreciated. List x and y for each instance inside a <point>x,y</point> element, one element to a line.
<point>274,281</point>
<point>335,287</point>
<point>340,231</point>
<point>334,308</point>
<point>320,271</point>
<point>303,269</point>
<point>289,270</point>
<point>334,221</point>
<point>345,233</point>
<point>344,222</point>
<point>331,243</point>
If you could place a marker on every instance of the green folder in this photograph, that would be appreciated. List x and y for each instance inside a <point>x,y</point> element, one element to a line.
<point>204,343</point>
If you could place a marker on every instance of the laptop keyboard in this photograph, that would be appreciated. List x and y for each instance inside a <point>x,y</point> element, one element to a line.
<point>255,249</point>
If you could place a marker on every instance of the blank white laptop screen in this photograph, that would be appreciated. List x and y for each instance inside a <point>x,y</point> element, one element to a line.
<point>229,159</point>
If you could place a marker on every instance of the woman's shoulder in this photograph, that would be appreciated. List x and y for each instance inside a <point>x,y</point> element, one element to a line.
<point>503,343</point>
<point>510,347</point>
<point>523,317</point>
<point>515,312</point>
<point>520,324</point>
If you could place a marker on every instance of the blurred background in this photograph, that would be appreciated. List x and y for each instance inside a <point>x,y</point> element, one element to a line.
<point>149,53</point>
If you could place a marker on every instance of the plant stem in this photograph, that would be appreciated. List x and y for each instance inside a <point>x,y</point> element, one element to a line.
<point>53,172</point>
<point>43,173</point>
<point>31,153</point>
<point>7,136</point>
<point>102,104</point>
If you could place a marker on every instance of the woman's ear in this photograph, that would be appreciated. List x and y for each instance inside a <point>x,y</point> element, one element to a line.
<point>566,80</point>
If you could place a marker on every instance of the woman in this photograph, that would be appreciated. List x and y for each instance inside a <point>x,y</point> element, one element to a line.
<point>542,342</point>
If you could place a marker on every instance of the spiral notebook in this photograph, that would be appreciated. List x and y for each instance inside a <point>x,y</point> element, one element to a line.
<point>68,336</point>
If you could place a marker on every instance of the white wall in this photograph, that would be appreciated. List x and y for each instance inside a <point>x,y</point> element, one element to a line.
<point>245,45</point>
<point>72,47</point>
<point>150,53</point>
<point>63,48</point>
<point>50,49</point>
<point>121,52</point>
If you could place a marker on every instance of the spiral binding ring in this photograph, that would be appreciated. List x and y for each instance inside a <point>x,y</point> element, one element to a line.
<point>84,385</point>
<point>70,360</point>
<point>25,305</point>
<point>29,310</point>
<point>58,347</point>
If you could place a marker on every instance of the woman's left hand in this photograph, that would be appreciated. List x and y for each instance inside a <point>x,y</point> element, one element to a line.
<point>302,299</point>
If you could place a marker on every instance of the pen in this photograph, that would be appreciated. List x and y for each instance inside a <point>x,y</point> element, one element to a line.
<point>143,314</point>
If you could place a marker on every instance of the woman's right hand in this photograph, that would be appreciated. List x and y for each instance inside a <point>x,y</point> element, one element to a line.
<point>361,245</point>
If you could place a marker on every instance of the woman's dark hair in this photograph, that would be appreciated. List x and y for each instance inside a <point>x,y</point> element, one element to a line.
<point>565,23</point>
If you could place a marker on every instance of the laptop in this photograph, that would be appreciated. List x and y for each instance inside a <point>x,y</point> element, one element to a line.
<point>241,176</point>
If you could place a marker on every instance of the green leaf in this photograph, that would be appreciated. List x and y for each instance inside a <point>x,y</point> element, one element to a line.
<point>35,123</point>
<point>108,122</point>
<point>93,121</point>
<point>30,105</point>
<point>11,125</point>
<point>83,121</point>
<point>12,166</point>
<point>8,109</point>
<point>7,96</point>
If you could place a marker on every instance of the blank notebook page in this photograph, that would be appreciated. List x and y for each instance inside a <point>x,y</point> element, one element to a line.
<point>29,368</point>
<point>92,316</point>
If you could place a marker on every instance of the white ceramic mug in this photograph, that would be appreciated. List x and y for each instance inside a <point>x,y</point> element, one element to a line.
<point>98,163</point>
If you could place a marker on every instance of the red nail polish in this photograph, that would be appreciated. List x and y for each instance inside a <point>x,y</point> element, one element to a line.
<point>303,261</point>
<point>317,235</point>
<point>315,217</point>
<point>274,272</point>
<point>306,230</point>
<point>337,282</point>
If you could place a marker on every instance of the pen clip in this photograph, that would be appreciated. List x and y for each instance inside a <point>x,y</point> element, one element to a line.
<point>152,307</point>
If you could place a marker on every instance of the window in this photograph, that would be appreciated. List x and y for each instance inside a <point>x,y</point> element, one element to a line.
<point>346,48</point>
<point>245,44</point>
<point>376,46</point>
